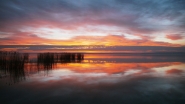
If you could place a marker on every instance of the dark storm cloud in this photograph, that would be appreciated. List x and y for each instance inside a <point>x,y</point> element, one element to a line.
<point>141,16</point>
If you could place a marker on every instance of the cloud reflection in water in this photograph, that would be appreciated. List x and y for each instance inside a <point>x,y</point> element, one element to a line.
<point>107,82</point>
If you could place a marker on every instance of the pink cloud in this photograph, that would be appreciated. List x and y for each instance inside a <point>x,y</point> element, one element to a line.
<point>174,71</point>
<point>30,38</point>
<point>174,36</point>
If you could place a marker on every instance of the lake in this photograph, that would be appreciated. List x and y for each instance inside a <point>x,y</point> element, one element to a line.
<point>94,79</point>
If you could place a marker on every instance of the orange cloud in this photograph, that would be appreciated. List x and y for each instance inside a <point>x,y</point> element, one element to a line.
<point>174,71</point>
<point>31,38</point>
<point>174,36</point>
<point>26,38</point>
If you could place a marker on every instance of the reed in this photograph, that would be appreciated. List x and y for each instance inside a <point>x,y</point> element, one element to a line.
<point>46,61</point>
<point>71,57</point>
<point>12,64</point>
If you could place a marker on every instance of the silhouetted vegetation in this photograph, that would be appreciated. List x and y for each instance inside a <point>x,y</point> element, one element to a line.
<point>45,61</point>
<point>48,60</point>
<point>12,64</point>
<point>71,57</point>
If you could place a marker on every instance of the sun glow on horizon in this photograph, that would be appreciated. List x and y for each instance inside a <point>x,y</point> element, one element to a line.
<point>110,24</point>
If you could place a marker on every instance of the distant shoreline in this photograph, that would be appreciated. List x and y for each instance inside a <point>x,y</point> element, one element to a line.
<point>142,53</point>
<point>96,49</point>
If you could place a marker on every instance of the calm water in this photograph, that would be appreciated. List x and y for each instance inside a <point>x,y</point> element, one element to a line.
<point>97,79</point>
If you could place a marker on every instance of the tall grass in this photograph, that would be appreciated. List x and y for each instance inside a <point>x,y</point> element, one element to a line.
<point>71,57</point>
<point>45,61</point>
<point>48,60</point>
<point>12,64</point>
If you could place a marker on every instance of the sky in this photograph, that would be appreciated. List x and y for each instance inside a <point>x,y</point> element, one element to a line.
<point>93,22</point>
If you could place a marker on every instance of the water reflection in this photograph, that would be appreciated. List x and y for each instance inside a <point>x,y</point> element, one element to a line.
<point>18,65</point>
<point>71,57</point>
<point>45,61</point>
<point>15,65</point>
<point>84,78</point>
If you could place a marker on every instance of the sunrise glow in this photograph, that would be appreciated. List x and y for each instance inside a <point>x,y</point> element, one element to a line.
<point>80,23</point>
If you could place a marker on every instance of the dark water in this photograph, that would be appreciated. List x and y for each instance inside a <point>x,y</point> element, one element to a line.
<point>96,79</point>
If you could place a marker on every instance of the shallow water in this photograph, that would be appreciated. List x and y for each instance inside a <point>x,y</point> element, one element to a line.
<point>98,79</point>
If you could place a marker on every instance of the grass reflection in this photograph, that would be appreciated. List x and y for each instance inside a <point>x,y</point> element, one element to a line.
<point>15,65</point>
<point>18,65</point>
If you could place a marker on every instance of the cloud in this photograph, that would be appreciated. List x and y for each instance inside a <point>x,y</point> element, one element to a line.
<point>30,38</point>
<point>174,71</point>
<point>174,36</point>
<point>133,14</point>
<point>143,18</point>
